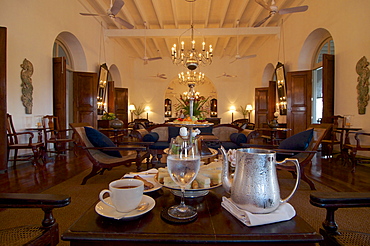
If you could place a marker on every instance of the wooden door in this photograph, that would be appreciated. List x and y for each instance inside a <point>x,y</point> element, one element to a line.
<point>121,104</point>
<point>299,93</point>
<point>265,103</point>
<point>261,104</point>
<point>3,106</point>
<point>60,91</point>
<point>85,86</point>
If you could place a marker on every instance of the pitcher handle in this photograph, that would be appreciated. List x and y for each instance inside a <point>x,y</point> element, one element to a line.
<point>298,169</point>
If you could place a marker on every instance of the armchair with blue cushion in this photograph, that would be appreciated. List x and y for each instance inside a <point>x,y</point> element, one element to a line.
<point>103,153</point>
<point>227,135</point>
<point>302,146</point>
<point>231,136</point>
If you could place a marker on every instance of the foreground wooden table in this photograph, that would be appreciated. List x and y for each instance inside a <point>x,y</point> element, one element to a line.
<point>214,225</point>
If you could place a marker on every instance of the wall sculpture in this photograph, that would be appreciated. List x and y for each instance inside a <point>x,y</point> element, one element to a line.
<point>27,87</point>
<point>362,84</point>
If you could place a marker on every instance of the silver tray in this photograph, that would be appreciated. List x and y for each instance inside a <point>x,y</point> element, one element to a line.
<point>192,193</point>
<point>192,125</point>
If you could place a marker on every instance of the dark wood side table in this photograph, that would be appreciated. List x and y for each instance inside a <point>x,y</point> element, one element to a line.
<point>117,135</point>
<point>214,226</point>
<point>276,134</point>
<point>347,130</point>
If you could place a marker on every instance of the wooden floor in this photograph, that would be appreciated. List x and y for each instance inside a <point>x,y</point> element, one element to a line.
<point>26,178</point>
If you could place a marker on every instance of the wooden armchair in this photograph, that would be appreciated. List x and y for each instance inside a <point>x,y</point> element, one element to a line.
<point>242,123</point>
<point>332,201</point>
<point>336,136</point>
<point>350,150</point>
<point>54,135</point>
<point>304,157</point>
<point>47,233</point>
<point>14,144</point>
<point>131,152</point>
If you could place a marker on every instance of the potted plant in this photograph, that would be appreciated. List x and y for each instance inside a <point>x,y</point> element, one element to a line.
<point>243,111</point>
<point>138,111</point>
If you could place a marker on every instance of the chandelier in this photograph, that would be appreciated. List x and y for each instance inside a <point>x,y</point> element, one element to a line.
<point>191,77</point>
<point>190,57</point>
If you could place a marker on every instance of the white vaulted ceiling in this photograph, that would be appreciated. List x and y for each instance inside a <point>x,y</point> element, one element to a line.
<point>214,21</point>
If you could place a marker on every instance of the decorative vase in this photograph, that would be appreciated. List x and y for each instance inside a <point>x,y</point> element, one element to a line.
<point>273,123</point>
<point>116,123</point>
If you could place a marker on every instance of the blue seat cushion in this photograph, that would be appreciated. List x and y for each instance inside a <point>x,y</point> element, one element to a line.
<point>206,130</point>
<point>98,139</point>
<point>159,145</point>
<point>238,138</point>
<point>299,141</point>
<point>151,137</point>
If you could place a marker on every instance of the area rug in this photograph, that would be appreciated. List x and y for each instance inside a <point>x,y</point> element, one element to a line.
<point>85,196</point>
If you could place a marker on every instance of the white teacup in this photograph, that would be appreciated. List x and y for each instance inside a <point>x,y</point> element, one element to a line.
<point>125,194</point>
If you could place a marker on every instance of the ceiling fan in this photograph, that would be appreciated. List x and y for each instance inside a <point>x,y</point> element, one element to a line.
<point>238,56</point>
<point>160,75</point>
<point>274,10</point>
<point>227,75</point>
<point>145,58</point>
<point>112,11</point>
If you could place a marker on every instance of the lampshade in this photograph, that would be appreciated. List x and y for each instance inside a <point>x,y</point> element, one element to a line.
<point>232,108</point>
<point>147,109</point>
<point>249,107</point>
<point>131,107</point>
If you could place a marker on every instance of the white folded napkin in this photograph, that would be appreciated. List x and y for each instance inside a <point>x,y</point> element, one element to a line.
<point>284,212</point>
<point>152,171</point>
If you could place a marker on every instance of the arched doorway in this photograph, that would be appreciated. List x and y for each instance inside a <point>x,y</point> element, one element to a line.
<point>68,56</point>
<point>175,89</point>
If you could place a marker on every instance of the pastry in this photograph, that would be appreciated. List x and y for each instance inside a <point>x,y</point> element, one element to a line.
<point>147,184</point>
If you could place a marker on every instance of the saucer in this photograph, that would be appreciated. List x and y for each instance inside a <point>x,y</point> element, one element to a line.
<point>109,212</point>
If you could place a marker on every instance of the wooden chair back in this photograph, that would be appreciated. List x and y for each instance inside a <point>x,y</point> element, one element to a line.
<point>12,136</point>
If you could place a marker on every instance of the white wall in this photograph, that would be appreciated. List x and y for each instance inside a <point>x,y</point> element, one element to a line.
<point>34,25</point>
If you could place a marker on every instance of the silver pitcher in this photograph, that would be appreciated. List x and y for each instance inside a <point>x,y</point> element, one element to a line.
<point>255,186</point>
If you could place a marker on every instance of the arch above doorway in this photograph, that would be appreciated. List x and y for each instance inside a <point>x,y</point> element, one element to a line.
<point>309,48</point>
<point>75,49</point>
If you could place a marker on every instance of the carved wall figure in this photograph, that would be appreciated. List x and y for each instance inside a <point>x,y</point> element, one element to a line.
<point>27,87</point>
<point>362,84</point>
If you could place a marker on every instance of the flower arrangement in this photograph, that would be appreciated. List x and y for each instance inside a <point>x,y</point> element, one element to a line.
<point>108,116</point>
<point>198,108</point>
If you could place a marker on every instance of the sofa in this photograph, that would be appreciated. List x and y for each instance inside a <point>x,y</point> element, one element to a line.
<point>227,135</point>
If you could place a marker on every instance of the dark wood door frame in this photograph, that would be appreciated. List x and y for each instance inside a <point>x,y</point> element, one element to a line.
<point>60,90</point>
<point>3,105</point>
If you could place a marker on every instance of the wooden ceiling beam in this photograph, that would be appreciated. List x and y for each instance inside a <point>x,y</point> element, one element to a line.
<point>206,32</point>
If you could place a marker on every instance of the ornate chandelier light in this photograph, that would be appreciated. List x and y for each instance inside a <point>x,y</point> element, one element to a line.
<point>191,77</point>
<point>190,57</point>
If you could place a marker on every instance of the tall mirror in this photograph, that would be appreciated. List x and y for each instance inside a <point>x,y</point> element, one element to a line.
<point>213,111</point>
<point>281,88</point>
<point>102,88</point>
<point>167,108</point>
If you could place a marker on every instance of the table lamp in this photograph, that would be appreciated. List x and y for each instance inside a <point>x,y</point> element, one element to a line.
<point>147,110</point>
<point>132,109</point>
<point>249,109</point>
<point>232,109</point>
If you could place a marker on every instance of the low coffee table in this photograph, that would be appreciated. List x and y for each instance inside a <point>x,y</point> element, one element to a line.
<point>214,225</point>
